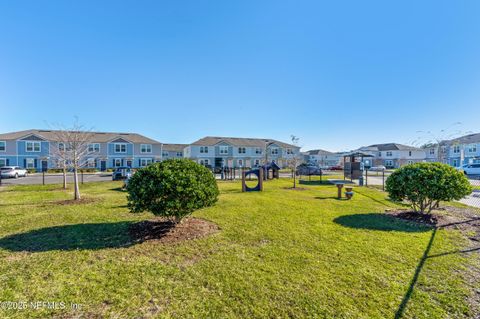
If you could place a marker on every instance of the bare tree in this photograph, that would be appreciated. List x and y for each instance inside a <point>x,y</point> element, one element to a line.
<point>295,160</point>
<point>60,158</point>
<point>72,150</point>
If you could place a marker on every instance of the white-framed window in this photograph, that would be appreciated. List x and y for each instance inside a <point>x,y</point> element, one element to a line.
<point>94,148</point>
<point>165,154</point>
<point>389,163</point>
<point>203,149</point>
<point>145,148</point>
<point>204,162</point>
<point>242,150</point>
<point>117,162</point>
<point>240,162</point>
<point>145,162</point>
<point>257,162</point>
<point>3,146</point>
<point>379,154</point>
<point>409,153</point>
<point>432,151</point>
<point>274,151</point>
<point>30,163</point>
<point>258,150</point>
<point>120,148</point>
<point>61,147</point>
<point>456,149</point>
<point>3,162</point>
<point>456,162</point>
<point>410,162</point>
<point>223,149</point>
<point>389,153</point>
<point>472,148</point>
<point>91,162</point>
<point>179,154</point>
<point>33,146</point>
<point>289,151</point>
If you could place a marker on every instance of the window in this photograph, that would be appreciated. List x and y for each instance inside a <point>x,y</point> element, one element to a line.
<point>379,154</point>
<point>117,162</point>
<point>3,146</point>
<point>145,148</point>
<point>240,162</point>
<point>3,162</point>
<point>409,153</point>
<point>389,153</point>
<point>203,149</point>
<point>472,148</point>
<point>94,148</point>
<point>145,162</point>
<point>389,163</point>
<point>120,148</point>
<point>33,146</point>
<point>61,147</point>
<point>241,150</point>
<point>257,162</point>
<point>91,162</point>
<point>258,150</point>
<point>455,162</point>
<point>30,163</point>
<point>289,151</point>
<point>164,154</point>
<point>223,149</point>
<point>204,162</point>
<point>432,151</point>
<point>409,162</point>
<point>274,151</point>
<point>456,149</point>
<point>179,154</point>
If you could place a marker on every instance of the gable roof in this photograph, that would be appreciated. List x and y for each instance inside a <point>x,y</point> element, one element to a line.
<point>390,147</point>
<point>174,147</point>
<point>319,152</point>
<point>240,141</point>
<point>467,139</point>
<point>99,137</point>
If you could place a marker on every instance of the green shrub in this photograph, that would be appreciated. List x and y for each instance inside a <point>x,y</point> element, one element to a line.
<point>31,170</point>
<point>424,185</point>
<point>172,188</point>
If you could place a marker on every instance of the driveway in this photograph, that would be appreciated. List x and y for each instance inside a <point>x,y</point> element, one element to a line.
<point>36,179</point>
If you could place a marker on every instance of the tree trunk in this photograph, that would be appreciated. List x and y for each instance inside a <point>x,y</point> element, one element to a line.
<point>76,186</point>
<point>294,180</point>
<point>64,176</point>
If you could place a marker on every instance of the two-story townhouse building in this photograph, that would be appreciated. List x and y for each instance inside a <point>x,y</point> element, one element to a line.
<point>393,155</point>
<point>240,152</point>
<point>323,158</point>
<point>173,150</point>
<point>463,150</point>
<point>37,149</point>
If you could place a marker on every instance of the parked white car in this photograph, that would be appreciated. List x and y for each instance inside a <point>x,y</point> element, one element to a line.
<point>13,172</point>
<point>470,169</point>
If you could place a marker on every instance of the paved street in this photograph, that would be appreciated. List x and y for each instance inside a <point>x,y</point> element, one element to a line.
<point>55,179</point>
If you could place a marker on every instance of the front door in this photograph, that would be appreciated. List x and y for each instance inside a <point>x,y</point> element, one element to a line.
<point>44,166</point>
<point>218,162</point>
<point>103,166</point>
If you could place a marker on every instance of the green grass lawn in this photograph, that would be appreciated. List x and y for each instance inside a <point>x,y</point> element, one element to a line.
<point>280,253</point>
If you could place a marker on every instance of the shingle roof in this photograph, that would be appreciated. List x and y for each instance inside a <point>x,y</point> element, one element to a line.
<point>319,152</point>
<point>467,139</point>
<point>239,141</point>
<point>100,137</point>
<point>391,147</point>
<point>174,147</point>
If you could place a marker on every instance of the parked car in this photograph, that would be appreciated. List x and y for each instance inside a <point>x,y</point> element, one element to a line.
<point>377,168</point>
<point>13,172</point>
<point>121,173</point>
<point>304,169</point>
<point>470,169</point>
<point>336,168</point>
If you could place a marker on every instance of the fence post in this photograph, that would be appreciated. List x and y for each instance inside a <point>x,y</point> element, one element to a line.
<point>383,179</point>
<point>43,177</point>
<point>81,172</point>
<point>366,177</point>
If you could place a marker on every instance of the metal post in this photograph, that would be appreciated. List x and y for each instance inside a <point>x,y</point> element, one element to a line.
<point>366,177</point>
<point>43,177</point>
<point>81,171</point>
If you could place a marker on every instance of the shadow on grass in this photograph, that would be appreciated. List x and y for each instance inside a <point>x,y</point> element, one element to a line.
<point>331,197</point>
<point>118,189</point>
<point>377,221</point>
<point>314,183</point>
<point>71,237</point>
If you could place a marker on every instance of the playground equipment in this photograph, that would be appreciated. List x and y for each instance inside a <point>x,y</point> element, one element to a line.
<point>348,191</point>
<point>353,165</point>
<point>270,170</point>
<point>258,172</point>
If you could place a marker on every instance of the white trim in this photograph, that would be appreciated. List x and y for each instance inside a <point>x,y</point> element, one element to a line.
<point>34,142</point>
<point>32,160</point>
<point>147,152</point>
<point>115,162</point>
<point>4,160</point>
<point>147,161</point>
<point>115,148</point>
<point>94,144</point>
<point>5,146</point>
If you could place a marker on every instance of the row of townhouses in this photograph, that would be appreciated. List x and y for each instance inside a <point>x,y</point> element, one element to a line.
<point>456,152</point>
<point>38,149</point>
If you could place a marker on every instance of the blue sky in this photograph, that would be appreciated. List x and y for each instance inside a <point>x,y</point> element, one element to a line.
<point>338,74</point>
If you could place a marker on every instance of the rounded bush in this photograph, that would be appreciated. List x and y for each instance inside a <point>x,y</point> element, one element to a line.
<point>173,188</point>
<point>424,185</point>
